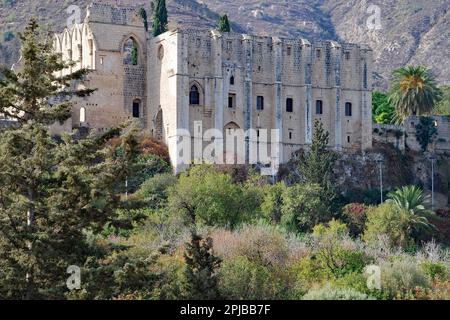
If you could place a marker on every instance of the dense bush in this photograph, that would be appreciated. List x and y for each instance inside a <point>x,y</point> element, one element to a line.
<point>146,167</point>
<point>211,198</point>
<point>355,215</point>
<point>303,208</point>
<point>402,277</point>
<point>273,202</point>
<point>331,293</point>
<point>263,244</point>
<point>245,279</point>
<point>155,189</point>
<point>387,220</point>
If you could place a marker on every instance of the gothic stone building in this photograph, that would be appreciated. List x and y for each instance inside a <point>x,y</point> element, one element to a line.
<point>225,80</point>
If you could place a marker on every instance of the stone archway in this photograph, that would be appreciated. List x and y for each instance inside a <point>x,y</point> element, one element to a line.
<point>234,152</point>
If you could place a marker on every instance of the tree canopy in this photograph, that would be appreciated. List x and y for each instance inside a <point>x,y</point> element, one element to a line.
<point>414,92</point>
<point>53,192</point>
<point>224,24</point>
<point>160,17</point>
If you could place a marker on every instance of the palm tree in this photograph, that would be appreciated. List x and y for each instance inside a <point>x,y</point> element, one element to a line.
<point>414,92</point>
<point>410,203</point>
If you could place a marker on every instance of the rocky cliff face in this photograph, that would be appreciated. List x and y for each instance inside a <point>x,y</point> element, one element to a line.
<point>412,31</point>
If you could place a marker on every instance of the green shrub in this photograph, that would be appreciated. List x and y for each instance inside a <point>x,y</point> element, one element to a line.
<point>426,132</point>
<point>211,198</point>
<point>341,262</point>
<point>435,270</point>
<point>353,280</point>
<point>333,256</point>
<point>334,229</point>
<point>155,189</point>
<point>403,224</point>
<point>308,272</point>
<point>401,277</point>
<point>273,201</point>
<point>243,279</point>
<point>303,208</point>
<point>172,282</point>
<point>332,293</point>
<point>146,167</point>
<point>387,220</point>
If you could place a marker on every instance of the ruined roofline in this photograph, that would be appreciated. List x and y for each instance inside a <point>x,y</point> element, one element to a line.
<point>212,33</point>
<point>97,12</point>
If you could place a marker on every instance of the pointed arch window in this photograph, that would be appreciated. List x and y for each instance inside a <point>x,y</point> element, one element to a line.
<point>130,52</point>
<point>194,96</point>
<point>232,80</point>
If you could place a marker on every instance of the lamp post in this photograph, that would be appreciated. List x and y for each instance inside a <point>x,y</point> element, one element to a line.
<point>380,162</point>
<point>433,160</point>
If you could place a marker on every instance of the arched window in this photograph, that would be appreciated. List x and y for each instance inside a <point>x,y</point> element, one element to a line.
<point>348,109</point>
<point>160,52</point>
<point>194,96</point>
<point>319,107</point>
<point>130,52</point>
<point>232,80</point>
<point>136,109</point>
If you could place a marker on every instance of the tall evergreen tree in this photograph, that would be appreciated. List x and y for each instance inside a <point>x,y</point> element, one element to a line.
<point>224,24</point>
<point>160,17</point>
<point>143,14</point>
<point>52,193</point>
<point>201,267</point>
<point>316,165</point>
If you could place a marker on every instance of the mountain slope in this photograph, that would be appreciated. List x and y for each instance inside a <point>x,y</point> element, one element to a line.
<point>413,31</point>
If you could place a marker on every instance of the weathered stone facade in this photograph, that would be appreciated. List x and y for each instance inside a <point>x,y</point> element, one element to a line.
<point>404,136</point>
<point>225,80</point>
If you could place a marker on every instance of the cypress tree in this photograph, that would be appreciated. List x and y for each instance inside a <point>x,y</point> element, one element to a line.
<point>160,17</point>
<point>201,267</point>
<point>143,14</point>
<point>52,192</point>
<point>134,54</point>
<point>224,24</point>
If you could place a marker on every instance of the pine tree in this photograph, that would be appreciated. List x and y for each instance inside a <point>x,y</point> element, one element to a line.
<point>34,92</point>
<point>224,24</point>
<point>52,192</point>
<point>201,267</point>
<point>160,17</point>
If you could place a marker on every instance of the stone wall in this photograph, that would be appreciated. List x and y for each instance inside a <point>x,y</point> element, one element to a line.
<point>276,69</point>
<point>386,133</point>
<point>98,44</point>
<point>404,136</point>
<point>441,142</point>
